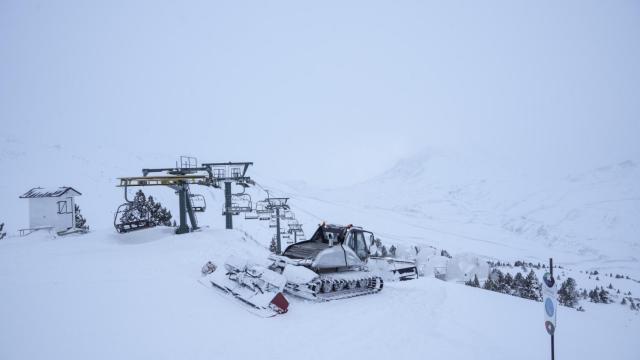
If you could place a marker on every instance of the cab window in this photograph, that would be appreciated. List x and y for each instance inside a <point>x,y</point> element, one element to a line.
<point>359,246</point>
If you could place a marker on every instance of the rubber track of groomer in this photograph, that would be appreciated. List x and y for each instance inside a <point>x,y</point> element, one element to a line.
<point>313,291</point>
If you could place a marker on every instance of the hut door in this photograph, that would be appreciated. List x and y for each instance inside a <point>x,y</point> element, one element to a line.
<point>65,213</point>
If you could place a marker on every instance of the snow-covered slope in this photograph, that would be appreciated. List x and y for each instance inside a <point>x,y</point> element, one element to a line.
<point>467,203</point>
<point>106,296</point>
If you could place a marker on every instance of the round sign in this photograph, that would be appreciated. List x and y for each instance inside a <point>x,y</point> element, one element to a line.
<point>549,307</point>
<point>550,327</point>
<point>548,280</point>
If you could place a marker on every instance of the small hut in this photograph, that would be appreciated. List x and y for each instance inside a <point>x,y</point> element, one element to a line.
<point>51,208</point>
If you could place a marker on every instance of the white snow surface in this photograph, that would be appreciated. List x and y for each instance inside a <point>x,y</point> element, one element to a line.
<point>105,295</point>
<point>108,296</point>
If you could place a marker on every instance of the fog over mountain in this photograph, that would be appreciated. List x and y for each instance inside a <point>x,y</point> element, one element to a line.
<point>346,88</point>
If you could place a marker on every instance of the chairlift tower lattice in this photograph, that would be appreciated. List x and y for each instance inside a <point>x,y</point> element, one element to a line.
<point>228,173</point>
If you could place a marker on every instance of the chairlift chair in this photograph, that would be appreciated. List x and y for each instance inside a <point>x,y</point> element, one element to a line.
<point>242,202</point>
<point>131,225</point>
<point>198,203</point>
<point>288,215</point>
<point>232,209</point>
<point>262,207</point>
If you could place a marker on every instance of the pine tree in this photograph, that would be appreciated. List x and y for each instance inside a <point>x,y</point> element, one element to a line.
<point>136,210</point>
<point>532,289</point>
<point>507,284</point>
<point>164,217</point>
<point>490,285</point>
<point>518,284</point>
<point>624,301</point>
<point>474,282</point>
<point>80,220</point>
<point>568,295</point>
<point>147,209</point>
<point>594,296</point>
<point>497,276</point>
<point>140,205</point>
<point>392,251</point>
<point>384,251</point>
<point>604,296</point>
<point>158,214</point>
<point>584,294</point>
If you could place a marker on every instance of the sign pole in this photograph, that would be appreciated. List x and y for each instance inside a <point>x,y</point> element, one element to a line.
<point>553,354</point>
<point>550,301</point>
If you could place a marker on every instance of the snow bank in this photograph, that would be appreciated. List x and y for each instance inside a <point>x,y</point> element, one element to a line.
<point>106,296</point>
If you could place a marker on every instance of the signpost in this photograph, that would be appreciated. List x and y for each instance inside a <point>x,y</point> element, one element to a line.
<point>550,301</point>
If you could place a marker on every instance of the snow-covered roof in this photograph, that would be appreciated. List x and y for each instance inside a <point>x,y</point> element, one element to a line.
<point>50,192</point>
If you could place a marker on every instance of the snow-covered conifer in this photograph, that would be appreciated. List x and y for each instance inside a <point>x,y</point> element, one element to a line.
<point>532,289</point>
<point>518,284</point>
<point>392,251</point>
<point>79,219</point>
<point>568,295</point>
<point>474,283</point>
<point>604,296</point>
<point>490,285</point>
<point>507,284</point>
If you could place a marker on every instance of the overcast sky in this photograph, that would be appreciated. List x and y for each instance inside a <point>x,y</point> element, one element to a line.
<point>326,91</point>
